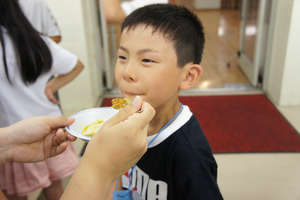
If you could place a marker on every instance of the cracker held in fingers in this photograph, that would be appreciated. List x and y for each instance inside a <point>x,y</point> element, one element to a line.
<point>118,103</point>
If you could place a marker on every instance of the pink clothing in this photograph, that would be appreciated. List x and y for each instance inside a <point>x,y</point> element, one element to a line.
<point>23,178</point>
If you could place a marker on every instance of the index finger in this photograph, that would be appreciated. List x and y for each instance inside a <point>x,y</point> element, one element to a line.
<point>141,119</point>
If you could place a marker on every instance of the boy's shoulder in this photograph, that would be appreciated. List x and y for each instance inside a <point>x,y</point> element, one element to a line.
<point>190,143</point>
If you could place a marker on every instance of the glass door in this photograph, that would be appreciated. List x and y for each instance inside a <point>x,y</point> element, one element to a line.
<point>255,16</point>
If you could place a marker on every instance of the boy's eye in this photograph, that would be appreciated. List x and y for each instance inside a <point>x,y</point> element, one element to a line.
<point>122,57</point>
<point>148,60</point>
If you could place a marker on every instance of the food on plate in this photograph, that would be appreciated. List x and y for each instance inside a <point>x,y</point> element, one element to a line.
<point>118,103</point>
<point>92,128</point>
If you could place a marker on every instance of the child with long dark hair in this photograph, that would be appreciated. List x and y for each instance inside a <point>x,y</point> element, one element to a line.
<point>27,61</point>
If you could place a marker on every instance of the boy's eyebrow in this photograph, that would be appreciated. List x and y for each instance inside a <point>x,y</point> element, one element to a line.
<point>124,49</point>
<point>146,51</point>
<point>139,51</point>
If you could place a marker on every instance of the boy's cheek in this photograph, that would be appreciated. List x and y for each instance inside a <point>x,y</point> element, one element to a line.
<point>117,77</point>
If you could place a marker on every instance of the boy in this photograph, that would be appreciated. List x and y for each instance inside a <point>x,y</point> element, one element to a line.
<point>160,50</point>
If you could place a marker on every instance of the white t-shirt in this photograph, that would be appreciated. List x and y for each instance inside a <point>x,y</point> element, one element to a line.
<point>129,6</point>
<point>18,101</point>
<point>40,16</point>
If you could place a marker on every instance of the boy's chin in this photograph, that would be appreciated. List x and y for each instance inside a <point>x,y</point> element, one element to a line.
<point>130,97</point>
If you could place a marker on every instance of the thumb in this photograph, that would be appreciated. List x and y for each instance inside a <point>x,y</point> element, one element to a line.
<point>124,113</point>
<point>59,122</point>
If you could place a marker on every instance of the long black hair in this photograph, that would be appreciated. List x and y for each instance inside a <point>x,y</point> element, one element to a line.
<point>33,54</point>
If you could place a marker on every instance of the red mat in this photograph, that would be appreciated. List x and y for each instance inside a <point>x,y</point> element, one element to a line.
<point>242,123</point>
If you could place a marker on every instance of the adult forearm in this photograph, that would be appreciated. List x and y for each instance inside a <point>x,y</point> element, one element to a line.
<point>88,183</point>
<point>4,144</point>
<point>61,80</point>
<point>113,11</point>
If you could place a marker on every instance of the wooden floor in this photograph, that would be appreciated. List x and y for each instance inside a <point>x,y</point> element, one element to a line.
<point>222,28</point>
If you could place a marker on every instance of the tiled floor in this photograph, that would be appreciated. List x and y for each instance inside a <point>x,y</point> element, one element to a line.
<point>260,176</point>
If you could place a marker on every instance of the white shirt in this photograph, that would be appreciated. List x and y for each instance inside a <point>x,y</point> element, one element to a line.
<point>40,16</point>
<point>18,101</point>
<point>129,6</point>
<point>181,120</point>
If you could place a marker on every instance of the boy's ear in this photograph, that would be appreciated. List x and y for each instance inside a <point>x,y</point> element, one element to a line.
<point>190,76</point>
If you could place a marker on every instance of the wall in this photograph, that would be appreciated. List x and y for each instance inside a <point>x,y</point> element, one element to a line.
<point>282,84</point>
<point>291,77</point>
<point>207,4</point>
<point>85,90</point>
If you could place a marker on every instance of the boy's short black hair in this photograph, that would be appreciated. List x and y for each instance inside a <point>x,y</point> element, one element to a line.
<point>176,23</point>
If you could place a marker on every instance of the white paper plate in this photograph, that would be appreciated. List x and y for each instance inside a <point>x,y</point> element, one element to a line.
<point>88,116</point>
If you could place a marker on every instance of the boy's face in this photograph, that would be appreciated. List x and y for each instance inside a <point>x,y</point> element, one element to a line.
<point>147,66</point>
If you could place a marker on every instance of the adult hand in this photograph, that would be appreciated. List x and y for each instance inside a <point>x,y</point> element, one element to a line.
<point>122,140</point>
<point>35,139</point>
<point>120,143</point>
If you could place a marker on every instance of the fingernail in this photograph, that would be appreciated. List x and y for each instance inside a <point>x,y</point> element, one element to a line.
<point>137,102</point>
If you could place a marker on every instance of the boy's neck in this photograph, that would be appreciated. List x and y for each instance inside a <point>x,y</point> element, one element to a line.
<point>163,114</point>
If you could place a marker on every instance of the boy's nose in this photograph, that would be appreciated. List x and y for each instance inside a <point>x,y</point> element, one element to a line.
<point>129,74</point>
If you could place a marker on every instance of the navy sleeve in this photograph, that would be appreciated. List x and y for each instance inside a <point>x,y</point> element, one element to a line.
<point>194,175</point>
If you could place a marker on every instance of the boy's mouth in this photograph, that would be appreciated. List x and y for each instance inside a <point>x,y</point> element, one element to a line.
<point>131,94</point>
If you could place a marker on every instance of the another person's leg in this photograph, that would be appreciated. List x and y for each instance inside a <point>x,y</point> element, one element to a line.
<point>54,191</point>
<point>14,197</point>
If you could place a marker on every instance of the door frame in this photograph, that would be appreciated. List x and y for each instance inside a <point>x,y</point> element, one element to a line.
<point>251,69</point>
<point>108,67</point>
